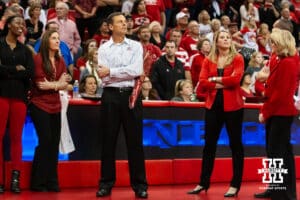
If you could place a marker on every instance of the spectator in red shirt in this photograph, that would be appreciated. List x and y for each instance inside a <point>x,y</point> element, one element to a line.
<point>196,60</point>
<point>139,15</point>
<point>156,10</point>
<point>102,34</point>
<point>88,46</point>
<point>150,51</point>
<point>189,42</point>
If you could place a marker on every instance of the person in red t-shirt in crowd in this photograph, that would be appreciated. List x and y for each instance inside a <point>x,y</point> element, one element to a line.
<point>196,60</point>
<point>156,11</point>
<point>139,15</point>
<point>102,34</point>
<point>296,4</point>
<point>245,89</point>
<point>151,51</point>
<point>189,42</point>
<point>88,46</point>
<point>182,21</point>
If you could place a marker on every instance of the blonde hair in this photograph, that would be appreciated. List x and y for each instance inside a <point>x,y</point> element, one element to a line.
<point>179,85</point>
<point>263,29</point>
<point>213,55</point>
<point>284,41</point>
<point>252,61</point>
<point>154,23</point>
<point>200,16</point>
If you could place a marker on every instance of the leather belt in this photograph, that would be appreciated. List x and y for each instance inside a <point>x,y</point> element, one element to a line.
<point>119,89</point>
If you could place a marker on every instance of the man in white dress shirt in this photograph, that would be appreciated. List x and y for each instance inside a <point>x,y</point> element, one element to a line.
<point>120,62</point>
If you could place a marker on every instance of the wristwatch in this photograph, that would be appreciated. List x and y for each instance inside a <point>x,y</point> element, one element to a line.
<point>214,79</point>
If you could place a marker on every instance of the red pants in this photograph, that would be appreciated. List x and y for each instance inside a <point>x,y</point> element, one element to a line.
<point>14,112</point>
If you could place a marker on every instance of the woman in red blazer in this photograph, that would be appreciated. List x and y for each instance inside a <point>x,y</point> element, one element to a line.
<point>220,76</point>
<point>278,110</point>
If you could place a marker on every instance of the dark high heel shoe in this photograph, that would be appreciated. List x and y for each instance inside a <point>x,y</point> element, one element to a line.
<point>197,191</point>
<point>232,194</point>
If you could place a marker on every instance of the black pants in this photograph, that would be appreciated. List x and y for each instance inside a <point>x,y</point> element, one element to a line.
<point>215,118</point>
<point>278,135</point>
<point>115,111</point>
<point>91,24</point>
<point>44,165</point>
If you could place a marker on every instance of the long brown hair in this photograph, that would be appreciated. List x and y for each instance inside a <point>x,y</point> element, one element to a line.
<point>44,51</point>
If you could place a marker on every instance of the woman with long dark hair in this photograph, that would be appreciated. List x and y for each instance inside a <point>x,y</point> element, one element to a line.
<point>50,77</point>
<point>16,69</point>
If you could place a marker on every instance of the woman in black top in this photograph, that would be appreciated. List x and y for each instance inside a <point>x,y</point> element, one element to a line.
<point>16,69</point>
<point>33,24</point>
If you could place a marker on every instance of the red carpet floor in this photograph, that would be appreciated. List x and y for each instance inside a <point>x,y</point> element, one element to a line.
<point>166,192</point>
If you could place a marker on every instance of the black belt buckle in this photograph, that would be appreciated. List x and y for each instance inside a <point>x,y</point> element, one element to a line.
<point>120,89</point>
<point>125,89</point>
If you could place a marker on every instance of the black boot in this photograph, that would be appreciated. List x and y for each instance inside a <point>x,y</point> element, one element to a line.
<point>1,189</point>
<point>15,181</point>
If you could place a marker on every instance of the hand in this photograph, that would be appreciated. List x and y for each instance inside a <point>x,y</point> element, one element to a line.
<point>103,71</point>
<point>261,118</point>
<point>86,15</point>
<point>45,85</point>
<point>20,67</point>
<point>65,78</point>
<point>219,86</point>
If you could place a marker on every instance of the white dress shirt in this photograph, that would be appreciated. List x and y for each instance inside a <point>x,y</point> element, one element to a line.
<point>125,61</point>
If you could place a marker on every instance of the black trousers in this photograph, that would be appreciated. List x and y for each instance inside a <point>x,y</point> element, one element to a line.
<point>215,118</point>
<point>44,165</point>
<point>115,112</point>
<point>91,24</point>
<point>278,135</point>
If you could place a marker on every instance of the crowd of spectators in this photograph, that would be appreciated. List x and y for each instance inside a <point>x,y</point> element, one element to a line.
<point>82,26</point>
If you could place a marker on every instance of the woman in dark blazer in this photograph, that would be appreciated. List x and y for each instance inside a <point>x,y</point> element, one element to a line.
<point>220,77</point>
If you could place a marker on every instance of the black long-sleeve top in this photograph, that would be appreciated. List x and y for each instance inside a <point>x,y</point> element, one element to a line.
<point>30,30</point>
<point>15,84</point>
<point>164,77</point>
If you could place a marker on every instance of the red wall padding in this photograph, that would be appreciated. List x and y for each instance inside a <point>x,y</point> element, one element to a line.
<point>159,172</point>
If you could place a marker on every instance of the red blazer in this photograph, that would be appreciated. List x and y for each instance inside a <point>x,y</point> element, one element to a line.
<point>281,86</point>
<point>231,80</point>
